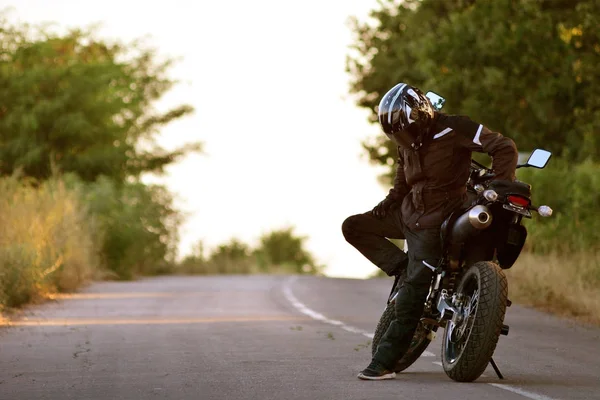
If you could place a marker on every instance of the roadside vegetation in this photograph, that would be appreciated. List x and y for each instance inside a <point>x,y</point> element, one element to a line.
<point>46,241</point>
<point>78,131</point>
<point>278,251</point>
<point>78,127</point>
<point>560,270</point>
<point>496,74</point>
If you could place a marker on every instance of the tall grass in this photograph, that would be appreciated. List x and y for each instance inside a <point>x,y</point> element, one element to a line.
<point>45,241</point>
<point>567,285</point>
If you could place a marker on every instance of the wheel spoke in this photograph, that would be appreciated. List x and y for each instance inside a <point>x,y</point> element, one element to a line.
<point>473,302</point>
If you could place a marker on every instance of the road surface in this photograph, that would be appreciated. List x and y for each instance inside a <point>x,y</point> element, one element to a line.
<point>264,337</point>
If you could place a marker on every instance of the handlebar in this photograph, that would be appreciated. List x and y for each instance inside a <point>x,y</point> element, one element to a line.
<point>480,173</point>
<point>486,177</point>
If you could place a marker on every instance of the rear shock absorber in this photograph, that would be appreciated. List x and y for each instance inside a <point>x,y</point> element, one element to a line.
<point>450,281</point>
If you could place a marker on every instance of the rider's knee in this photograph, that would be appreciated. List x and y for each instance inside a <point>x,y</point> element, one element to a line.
<point>350,227</point>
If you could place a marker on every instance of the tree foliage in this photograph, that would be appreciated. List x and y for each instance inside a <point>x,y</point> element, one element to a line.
<point>81,104</point>
<point>84,108</point>
<point>283,248</point>
<point>525,68</point>
<point>137,225</point>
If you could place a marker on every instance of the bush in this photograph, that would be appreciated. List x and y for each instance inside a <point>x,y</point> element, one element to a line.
<point>280,251</point>
<point>45,240</point>
<point>138,224</point>
<point>573,192</point>
<point>233,257</point>
<point>57,235</point>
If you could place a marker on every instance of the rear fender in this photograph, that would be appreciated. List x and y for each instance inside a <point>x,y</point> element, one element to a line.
<point>510,247</point>
<point>480,248</point>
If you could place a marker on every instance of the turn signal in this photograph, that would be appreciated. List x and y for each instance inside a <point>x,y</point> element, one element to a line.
<point>544,211</point>
<point>490,195</point>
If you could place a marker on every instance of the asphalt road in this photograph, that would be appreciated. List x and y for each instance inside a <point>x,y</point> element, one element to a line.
<point>263,337</point>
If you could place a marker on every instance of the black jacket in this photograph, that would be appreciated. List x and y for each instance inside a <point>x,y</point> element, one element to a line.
<point>431,182</point>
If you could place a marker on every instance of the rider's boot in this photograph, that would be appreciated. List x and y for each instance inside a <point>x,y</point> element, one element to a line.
<point>376,372</point>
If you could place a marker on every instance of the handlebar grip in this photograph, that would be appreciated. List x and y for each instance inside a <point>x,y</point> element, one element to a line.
<point>485,177</point>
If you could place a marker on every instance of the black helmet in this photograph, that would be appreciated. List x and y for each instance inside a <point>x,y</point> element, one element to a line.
<point>405,114</point>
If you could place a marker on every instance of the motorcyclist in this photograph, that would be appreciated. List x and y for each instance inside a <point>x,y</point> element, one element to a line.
<point>433,165</point>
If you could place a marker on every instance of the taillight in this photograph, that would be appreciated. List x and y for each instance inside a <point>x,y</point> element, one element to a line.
<point>518,201</point>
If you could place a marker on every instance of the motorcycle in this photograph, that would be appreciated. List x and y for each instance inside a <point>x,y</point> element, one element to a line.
<point>468,295</point>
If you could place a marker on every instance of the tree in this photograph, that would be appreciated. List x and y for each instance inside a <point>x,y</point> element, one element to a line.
<point>282,248</point>
<point>81,104</point>
<point>525,68</point>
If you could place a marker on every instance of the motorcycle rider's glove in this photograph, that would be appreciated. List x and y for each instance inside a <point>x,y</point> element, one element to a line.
<point>384,207</point>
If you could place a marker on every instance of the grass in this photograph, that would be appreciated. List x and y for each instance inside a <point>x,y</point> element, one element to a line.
<point>45,241</point>
<point>566,285</point>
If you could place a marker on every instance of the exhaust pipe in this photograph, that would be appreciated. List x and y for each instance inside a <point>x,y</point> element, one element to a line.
<point>471,222</point>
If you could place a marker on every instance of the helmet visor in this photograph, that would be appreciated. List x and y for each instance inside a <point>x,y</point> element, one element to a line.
<point>403,138</point>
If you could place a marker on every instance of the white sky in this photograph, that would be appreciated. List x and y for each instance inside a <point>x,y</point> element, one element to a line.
<point>281,135</point>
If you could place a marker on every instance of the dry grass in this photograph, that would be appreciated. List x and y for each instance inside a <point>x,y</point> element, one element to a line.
<point>567,285</point>
<point>45,241</point>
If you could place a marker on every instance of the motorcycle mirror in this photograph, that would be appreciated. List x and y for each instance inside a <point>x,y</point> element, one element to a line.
<point>539,158</point>
<point>436,100</point>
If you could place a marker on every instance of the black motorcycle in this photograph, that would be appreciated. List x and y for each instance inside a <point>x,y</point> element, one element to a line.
<point>469,290</point>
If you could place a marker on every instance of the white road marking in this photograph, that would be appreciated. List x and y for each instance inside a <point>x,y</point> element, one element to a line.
<point>520,391</point>
<point>513,389</point>
<point>287,291</point>
<point>318,316</point>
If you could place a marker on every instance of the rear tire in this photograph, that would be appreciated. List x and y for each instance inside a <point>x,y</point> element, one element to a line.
<point>468,346</point>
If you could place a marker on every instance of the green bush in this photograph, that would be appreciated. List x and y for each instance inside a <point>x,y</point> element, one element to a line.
<point>282,249</point>
<point>279,251</point>
<point>138,225</point>
<point>195,262</point>
<point>233,257</point>
<point>573,192</point>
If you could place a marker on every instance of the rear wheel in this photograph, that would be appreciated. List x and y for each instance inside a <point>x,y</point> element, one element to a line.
<point>471,337</point>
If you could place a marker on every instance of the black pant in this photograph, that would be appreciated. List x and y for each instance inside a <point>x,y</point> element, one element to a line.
<point>368,235</point>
